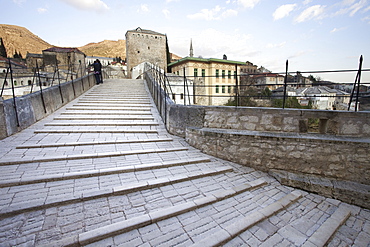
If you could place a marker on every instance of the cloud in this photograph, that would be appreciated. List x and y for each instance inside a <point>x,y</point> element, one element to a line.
<point>283,11</point>
<point>334,30</point>
<point>229,13</point>
<point>248,3</point>
<point>366,19</point>
<point>88,5</point>
<point>353,7</point>
<point>168,1</point>
<point>166,13</point>
<point>144,8</point>
<point>357,6</point>
<point>216,13</point>
<point>310,13</point>
<point>305,2</point>
<point>42,10</point>
<point>282,44</point>
<point>19,2</point>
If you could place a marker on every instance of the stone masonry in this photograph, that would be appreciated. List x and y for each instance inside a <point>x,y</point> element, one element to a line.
<point>103,171</point>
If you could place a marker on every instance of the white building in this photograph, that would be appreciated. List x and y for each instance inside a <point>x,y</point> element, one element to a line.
<point>105,61</point>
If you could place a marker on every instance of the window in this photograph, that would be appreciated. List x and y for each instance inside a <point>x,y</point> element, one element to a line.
<point>229,89</point>
<point>203,73</point>
<point>223,89</point>
<point>195,72</point>
<point>217,73</point>
<point>234,74</point>
<point>229,74</point>
<point>223,73</point>
<point>174,96</point>
<point>182,96</point>
<point>217,88</point>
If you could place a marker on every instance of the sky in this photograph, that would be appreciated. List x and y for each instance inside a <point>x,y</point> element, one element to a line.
<point>313,35</point>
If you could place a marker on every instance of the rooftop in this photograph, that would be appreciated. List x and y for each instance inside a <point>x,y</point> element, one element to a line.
<point>205,60</point>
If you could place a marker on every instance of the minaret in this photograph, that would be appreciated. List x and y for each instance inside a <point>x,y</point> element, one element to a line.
<point>191,48</point>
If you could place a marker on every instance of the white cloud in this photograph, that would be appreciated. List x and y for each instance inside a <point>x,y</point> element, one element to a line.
<point>166,13</point>
<point>357,6</point>
<point>283,11</point>
<point>42,10</point>
<point>248,3</point>
<point>229,13</point>
<point>19,2</point>
<point>282,44</point>
<point>366,19</point>
<point>213,14</point>
<point>310,13</point>
<point>143,8</point>
<point>334,30</point>
<point>168,1</point>
<point>305,2</point>
<point>94,5</point>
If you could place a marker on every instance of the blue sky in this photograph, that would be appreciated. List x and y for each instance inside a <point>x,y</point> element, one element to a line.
<point>313,35</point>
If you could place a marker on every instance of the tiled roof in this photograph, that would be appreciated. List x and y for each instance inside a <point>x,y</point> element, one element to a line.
<point>205,60</point>
<point>64,50</point>
<point>140,30</point>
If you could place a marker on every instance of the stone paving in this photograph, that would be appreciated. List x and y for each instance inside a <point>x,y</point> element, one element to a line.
<point>103,171</point>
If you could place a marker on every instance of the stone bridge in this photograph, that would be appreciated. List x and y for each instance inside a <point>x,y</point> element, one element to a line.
<point>103,170</point>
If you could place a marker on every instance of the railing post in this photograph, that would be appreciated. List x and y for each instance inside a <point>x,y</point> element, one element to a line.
<point>42,96</point>
<point>14,101</point>
<point>236,86</point>
<point>285,82</point>
<point>359,81</point>
<point>6,76</point>
<point>57,71</point>
<point>184,86</point>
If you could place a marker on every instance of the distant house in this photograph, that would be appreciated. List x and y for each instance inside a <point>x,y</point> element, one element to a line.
<point>32,59</point>
<point>105,61</point>
<point>71,59</point>
<point>322,97</point>
<point>271,80</point>
<point>214,79</point>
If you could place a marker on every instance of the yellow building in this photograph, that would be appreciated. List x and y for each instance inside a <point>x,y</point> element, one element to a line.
<point>214,79</point>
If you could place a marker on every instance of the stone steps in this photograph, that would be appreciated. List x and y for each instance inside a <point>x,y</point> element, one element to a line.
<point>93,143</point>
<point>5,162</point>
<point>131,118</point>
<point>159,191</point>
<point>105,112</point>
<point>100,172</point>
<point>47,202</point>
<point>153,217</point>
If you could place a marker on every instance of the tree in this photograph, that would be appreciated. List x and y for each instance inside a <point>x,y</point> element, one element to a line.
<point>262,69</point>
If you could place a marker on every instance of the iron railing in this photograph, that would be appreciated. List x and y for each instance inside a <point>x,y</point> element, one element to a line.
<point>237,92</point>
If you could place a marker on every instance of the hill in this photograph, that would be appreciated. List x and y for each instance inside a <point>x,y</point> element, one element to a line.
<point>20,39</point>
<point>106,48</point>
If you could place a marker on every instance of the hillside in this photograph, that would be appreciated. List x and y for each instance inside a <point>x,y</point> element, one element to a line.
<point>20,39</point>
<point>106,48</point>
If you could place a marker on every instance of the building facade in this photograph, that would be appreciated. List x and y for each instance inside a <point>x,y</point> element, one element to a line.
<point>71,59</point>
<point>145,46</point>
<point>214,79</point>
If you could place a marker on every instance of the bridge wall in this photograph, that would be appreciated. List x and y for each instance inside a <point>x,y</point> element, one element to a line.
<point>30,108</point>
<point>332,159</point>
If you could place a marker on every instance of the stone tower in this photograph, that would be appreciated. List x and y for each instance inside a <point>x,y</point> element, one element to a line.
<point>145,46</point>
<point>2,49</point>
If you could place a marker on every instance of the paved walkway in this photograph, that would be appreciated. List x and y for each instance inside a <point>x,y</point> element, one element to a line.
<point>103,171</point>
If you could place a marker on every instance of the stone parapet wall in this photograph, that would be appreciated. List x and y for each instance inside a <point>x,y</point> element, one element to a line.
<point>332,166</point>
<point>340,123</point>
<point>30,107</point>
